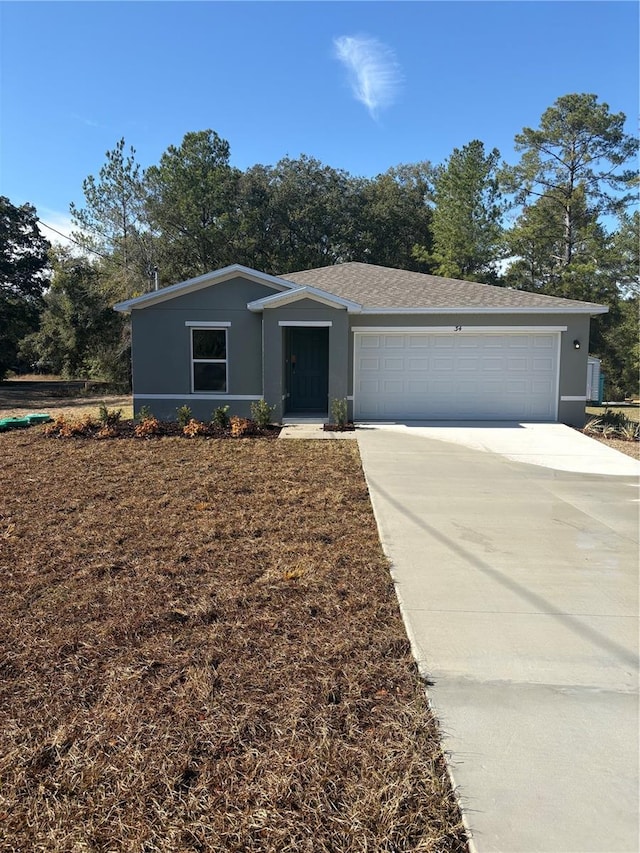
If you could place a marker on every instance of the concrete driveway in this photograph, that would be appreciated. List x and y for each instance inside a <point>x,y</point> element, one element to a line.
<point>514,548</point>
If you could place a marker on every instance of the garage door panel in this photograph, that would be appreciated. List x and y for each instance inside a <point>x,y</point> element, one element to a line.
<point>516,364</point>
<point>420,387</point>
<point>394,341</point>
<point>456,376</point>
<point>417,363</point>
<point>542,365</point>
<point>443,364</point>
<point>492,364</point>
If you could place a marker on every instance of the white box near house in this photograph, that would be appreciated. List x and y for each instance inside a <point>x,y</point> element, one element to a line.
<point>594,390</point>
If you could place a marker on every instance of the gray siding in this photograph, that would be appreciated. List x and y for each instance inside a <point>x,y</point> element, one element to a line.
<point>274,350</point>
<point>161,350</point>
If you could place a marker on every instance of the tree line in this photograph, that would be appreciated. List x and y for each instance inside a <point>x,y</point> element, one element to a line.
<point>559,222</point>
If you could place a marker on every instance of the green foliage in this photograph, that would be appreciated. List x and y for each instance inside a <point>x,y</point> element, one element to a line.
<point>23,277</point>
<point>191,197</point>
<point>184,415</point>
<point>626,247</point>
<point>144,414</point>
<point>261,413</point>
<point>220,417</point>
<point>109,417</point>
<point>574,167</point>
<point>80,336</point>
<point>576,159</point>
<point>614,425</point>
<point>466,219</point>
<point>113,223</point>
<point>339,412</point>
<point>390,216</point>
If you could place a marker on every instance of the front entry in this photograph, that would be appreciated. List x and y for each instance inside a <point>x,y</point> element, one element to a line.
<point>307,369</point>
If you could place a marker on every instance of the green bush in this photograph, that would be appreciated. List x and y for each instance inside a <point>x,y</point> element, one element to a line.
<point>184,415</point>
<point>261,413</point>
<point>144,414</point>
<point>220,417</point>
<point>613,425</point>
<point>109,417</point>
<point>339,412</point>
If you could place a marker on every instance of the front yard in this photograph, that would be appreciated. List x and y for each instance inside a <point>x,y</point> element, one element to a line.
<point>202,651</point>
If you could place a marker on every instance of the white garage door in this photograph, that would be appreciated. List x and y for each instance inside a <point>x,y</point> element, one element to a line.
<point>460,375</point>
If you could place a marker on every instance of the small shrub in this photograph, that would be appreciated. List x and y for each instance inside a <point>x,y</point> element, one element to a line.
<point>339,412</point>
<point>109,417</point>
<point>262,412</point>
<point>184,415</point>
<point>53,429</point>
<point>220,417</point>
<point>84,426</point>
<point>144,414</point>
<point>107,431</point>
<point>147,427</point>
<point>613,425</point>
<point>241,426</point>
<point>194,427</point>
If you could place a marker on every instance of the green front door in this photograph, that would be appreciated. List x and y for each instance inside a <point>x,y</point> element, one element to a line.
<point>308,369</point>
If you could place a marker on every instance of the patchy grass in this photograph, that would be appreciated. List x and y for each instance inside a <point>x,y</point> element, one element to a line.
<point>202,651</point>
<point>632,411</point>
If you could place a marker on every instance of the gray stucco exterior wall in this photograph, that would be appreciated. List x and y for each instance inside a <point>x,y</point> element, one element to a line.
<point>275,321</point>
<point>161,350</point>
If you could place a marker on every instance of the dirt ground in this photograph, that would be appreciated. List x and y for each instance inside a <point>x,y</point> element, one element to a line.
<point>202,651</point>
<point>56,397</point>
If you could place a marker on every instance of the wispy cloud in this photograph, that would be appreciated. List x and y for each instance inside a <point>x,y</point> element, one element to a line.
<point>88,122</point>
<point>374,73</point>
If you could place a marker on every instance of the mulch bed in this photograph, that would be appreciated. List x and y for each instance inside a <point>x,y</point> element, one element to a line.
<point>202,650</point>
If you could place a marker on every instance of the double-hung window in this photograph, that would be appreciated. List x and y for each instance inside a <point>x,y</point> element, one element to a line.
<point>209,360</point>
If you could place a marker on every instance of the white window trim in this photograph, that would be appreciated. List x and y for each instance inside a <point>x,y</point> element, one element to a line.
<point>206,324</point>
<point>313,324</point>
<point>208,327</point>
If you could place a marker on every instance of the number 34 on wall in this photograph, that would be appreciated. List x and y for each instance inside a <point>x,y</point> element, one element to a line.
<point>457,328</point>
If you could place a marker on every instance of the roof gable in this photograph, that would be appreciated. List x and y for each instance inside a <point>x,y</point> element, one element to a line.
<point>202,281</point>
<point>278,300</point>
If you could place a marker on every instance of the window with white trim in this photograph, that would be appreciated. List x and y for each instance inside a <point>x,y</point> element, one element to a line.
<point>209,360</point>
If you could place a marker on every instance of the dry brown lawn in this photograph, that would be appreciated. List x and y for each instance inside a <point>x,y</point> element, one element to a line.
<point>27,397</point>
<point>201,650</point>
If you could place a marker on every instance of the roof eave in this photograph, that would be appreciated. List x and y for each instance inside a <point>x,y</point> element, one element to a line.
<point>457,309</point>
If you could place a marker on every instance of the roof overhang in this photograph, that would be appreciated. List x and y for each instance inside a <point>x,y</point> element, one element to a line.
<point>202,281</point>
<point>589,309</point>
<point>279,300</point>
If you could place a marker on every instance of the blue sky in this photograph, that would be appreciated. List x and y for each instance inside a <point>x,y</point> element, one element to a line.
<point>362,86</point>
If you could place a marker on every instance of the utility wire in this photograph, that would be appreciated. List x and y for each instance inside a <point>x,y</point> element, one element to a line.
<point>71,240</point>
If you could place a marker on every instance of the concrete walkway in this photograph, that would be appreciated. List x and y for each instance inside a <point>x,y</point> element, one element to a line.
<point>313,431</point>
<point>518,583</point>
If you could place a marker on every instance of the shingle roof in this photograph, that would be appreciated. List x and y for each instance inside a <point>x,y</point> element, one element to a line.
<point>376,287</point>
